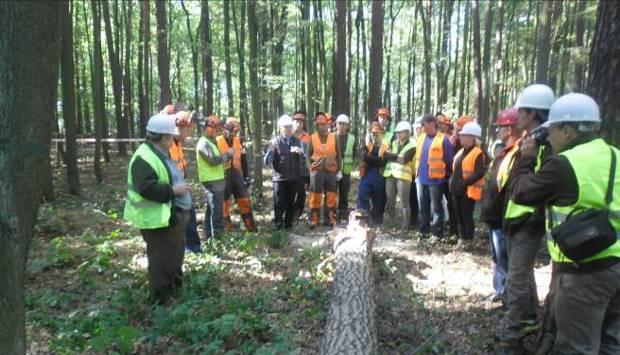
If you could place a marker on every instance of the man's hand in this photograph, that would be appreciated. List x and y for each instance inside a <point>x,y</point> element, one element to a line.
<point>247,182</point>
<point>529,148</point>
<point>296,150</point>
<point>339,175</point>
<point>182,189</point>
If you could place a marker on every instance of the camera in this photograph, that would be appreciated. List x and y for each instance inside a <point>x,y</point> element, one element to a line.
<point>540,135</point>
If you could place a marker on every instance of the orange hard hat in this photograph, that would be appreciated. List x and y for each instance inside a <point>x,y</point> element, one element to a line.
<point>232,124</point>
<point>321,118</point>
<point>168,109</point>
<point>376,127</point>
<point>183,119</point>
<point>213,121</point>
<point>462,120</point>
<point>383,111</point>
<point>508,117</point>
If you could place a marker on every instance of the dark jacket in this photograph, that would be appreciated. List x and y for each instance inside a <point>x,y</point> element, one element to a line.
<point>286,165</point>
<point>458,184</point>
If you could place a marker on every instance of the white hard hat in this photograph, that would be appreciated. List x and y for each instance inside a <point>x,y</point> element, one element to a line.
<point>403,126</point>
<point>418,122</point>
<point>342,118</point>
<point>162,123</point>
<point>285,120</point>
<point>573,107</point>
<point>536,96</point>
<point>472,129</point>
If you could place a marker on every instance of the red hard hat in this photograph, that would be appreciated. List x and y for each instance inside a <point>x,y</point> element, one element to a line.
<point>383,111</point>
<point>508,117</point>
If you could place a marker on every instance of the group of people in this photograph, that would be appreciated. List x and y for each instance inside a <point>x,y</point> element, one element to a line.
<point>546,166</point>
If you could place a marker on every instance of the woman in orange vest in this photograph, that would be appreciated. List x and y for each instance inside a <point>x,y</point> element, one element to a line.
<point>467,180</point>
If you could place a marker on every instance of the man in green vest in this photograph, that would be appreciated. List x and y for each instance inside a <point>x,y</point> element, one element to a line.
<point>211,175</point>
<point>158,203</point>
<point>582,175</point>
<point>524,227</point>
<point>399,174</point>
<point>347,144</point>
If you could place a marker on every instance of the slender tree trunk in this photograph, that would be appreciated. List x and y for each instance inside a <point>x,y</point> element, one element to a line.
<point>163,57</point>
<point>143,67</point>
<point>127,91</point>
<point>310,104</point>
<point>194,56</point>
<point>240,37</point>
<point>359,17</point>
<point>277,57</point>
<point>29,78</point>
<point>376,59</point>
<point>444,60</point>
<point>498,57</point>
<point>559,36</point>
<point>98,91</point>
<point>365,94</point>
<point>207,61</point>
<point>464,57</point>
<point>347,93</point>
<point>456,52</point>
<point>543,43</point>
<point>477,61</point>
<point>339,63</point>
<point>227,61</point>
<point>256,110</point>
<point>426,12</point>
<point>579,31</point>
<point>68,100</point>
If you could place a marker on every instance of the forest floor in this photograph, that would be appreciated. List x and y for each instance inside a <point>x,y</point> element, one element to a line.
<point>260,293</point>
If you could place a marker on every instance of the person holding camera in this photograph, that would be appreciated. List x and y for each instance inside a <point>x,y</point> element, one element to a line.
<point>524,226</point>
<point>581,186</point>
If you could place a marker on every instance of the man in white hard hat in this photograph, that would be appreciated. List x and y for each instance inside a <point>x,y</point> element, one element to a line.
<point>158,203</point>
<point>347,144</point>
<point>524,227</point>
<point>582,176</point>
<point>286,155</point>
<point>399,175</point>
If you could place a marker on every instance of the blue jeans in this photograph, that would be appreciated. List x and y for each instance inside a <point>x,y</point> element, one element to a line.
<point>191,233</point>
<point>431,210</point>
<point>499,253</point>
<point>372,191</point>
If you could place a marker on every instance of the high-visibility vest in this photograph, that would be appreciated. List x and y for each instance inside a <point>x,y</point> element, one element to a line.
<point>206,171</point>
<point>223,147</point>
<point>325,150</point>
<point>436,163</point>
<point>370,146</point>
<point>514,210</point>
<point>468,165</point>
<point>177,156</point>
<point>387,136</point>
<point>398,170</point>
<point>503,171</point>
<point>303,137</point>
<point>140,212</point>
<point>590,162</point>
<point>347,159</point>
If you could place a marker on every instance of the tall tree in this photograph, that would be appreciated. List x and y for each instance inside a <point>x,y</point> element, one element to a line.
<point>477,61</point>
<point>194,54</point>
<point>464,57</point>
<point>227,61</point>
<point>29,62</point>
<point>277,56</point>
<point>426,11</point>
<point>240,39</point>
<point>559,32</point>
<point>256,110</point>
<point>207,60</point>
<point>443,62</point>
<point>143,66</point>
<point>339,63</point>
<point>604,70</point>
<point>543,43</point>
<point>376,59</point>
<point>499,27</point>
<point>306,34</point>
<point>163,56</point>
<point>68,99</point>
<point>98,90</point>
<point>127,91</point>
<point>579,31</point>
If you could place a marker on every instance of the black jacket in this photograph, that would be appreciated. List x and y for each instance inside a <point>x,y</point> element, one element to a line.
<point>287,166</point>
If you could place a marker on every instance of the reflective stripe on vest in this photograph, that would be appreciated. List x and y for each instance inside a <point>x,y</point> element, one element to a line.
<point>140,212</point>
<point>223,147</point>
<point>325,150</point>
<point>516,211</point>
<point>436,163</point>
<point>398,170</point>
<point>590,162</point>
<point>370,146</point>
<point>177,156</point>
<point>347,161</point>
<point>206,171</point>
<point>468,165</point>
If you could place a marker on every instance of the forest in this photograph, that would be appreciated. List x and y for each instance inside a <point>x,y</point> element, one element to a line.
<point>80,80</point>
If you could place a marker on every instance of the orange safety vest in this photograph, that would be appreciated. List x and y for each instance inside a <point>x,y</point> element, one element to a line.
<point>325,150</point>
<point>503,172</point>
<point>176,154</point>
<point>382,150</point>
<point>436,163</point>
<point>468,165</point>
<point>304,137</point>
<point>223,146</point>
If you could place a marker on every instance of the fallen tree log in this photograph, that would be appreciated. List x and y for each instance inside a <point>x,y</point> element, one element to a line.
<point>350,327</point>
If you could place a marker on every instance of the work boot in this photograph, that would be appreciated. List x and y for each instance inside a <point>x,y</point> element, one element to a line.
<point>248,221</point>
<point>228,224</point>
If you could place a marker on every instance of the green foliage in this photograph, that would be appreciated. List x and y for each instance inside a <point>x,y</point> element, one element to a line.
<point>278,239</point>
<point>58,252</point>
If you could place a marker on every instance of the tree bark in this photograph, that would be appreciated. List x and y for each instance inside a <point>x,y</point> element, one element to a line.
<point>579,31</point>
<point>350,327</point>
<point>98,91</point>
<point>277,56</point>
<point>426,12</point>
<point>240,39</point>
<point>163,57</point>
<point>376,60</point>
<point>127,90</point>
<point>227,61</point>
<point>499,27</point>
<point>464,57</point>
<point>559,36</point>
<point>543,43</point>
<point>194,56</point>
<point>307,26</point>
<point>359,17</point>
<point>207,60</point>
<point>477,61</point>
<point>68,100</point>
<point>604,69</point>
<point>256,110</point>
<point>340,61</point>
<point>29,62</point>
<point>443,69</point>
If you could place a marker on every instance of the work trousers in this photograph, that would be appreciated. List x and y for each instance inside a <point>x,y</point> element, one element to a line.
<point>499,254</point>
<point>521,294</point>
<point>431,210</point>
<point>235,187</point>
<point>284,202</point>
<point>371,195</point>
<point>165,250</point>
<point>214,211</point>
<point>322,183</point>
<point>452,222</point>
<point>398,189</point>
<point>300,196</point>
<point>191,232</point>
<point>464,213</point>
<point>413,204</point>
<point>344,187</point>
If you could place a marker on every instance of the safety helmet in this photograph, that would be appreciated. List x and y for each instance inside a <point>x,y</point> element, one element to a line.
<point>168,109</point>
<point>462,121</point>
<point>285,120</point>
<point>418,122</point>
<point>376,127</point>
<point>508,117</point>
<point>383,111</point>
<point>342,118</point>
<point>321,118</point>
<point>183,119</point>
<point>213,121</point>
<point>162,124</point>
<point>574,107</point>
<point>472,129</point>
<point>403,126</point>
<point>232,124</point>
<point>536,96</point>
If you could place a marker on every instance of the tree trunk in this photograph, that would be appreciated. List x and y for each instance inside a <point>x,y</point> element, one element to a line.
<point>426,12</point>
<point>559,36</point>
<point>240,37</point>
<point>194,55</point>
<point>310,100</point>
<point>68,100</point>
<point>207,61</point>
<point>350,327</point>
<point>347,90</point>
<point>98,91</point>
<point>127,91</point>
<point>340,61</point>
<point>163,57</point>
<point>543,43</point>
<point>443,69</point>
<point>498,59</point>
<point>365,82</point>
<point>29,59</point>
<point>117,79</point>
<point>464,57</point>
<point>376,60</point>
<point>579,31</point>
<point>227,61</point>
<point>256,110</point>
<point>604,70</point>
<point>456,52</point>
<point>277,56</point>
<point>359,17</point>
<point>477,61</point>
